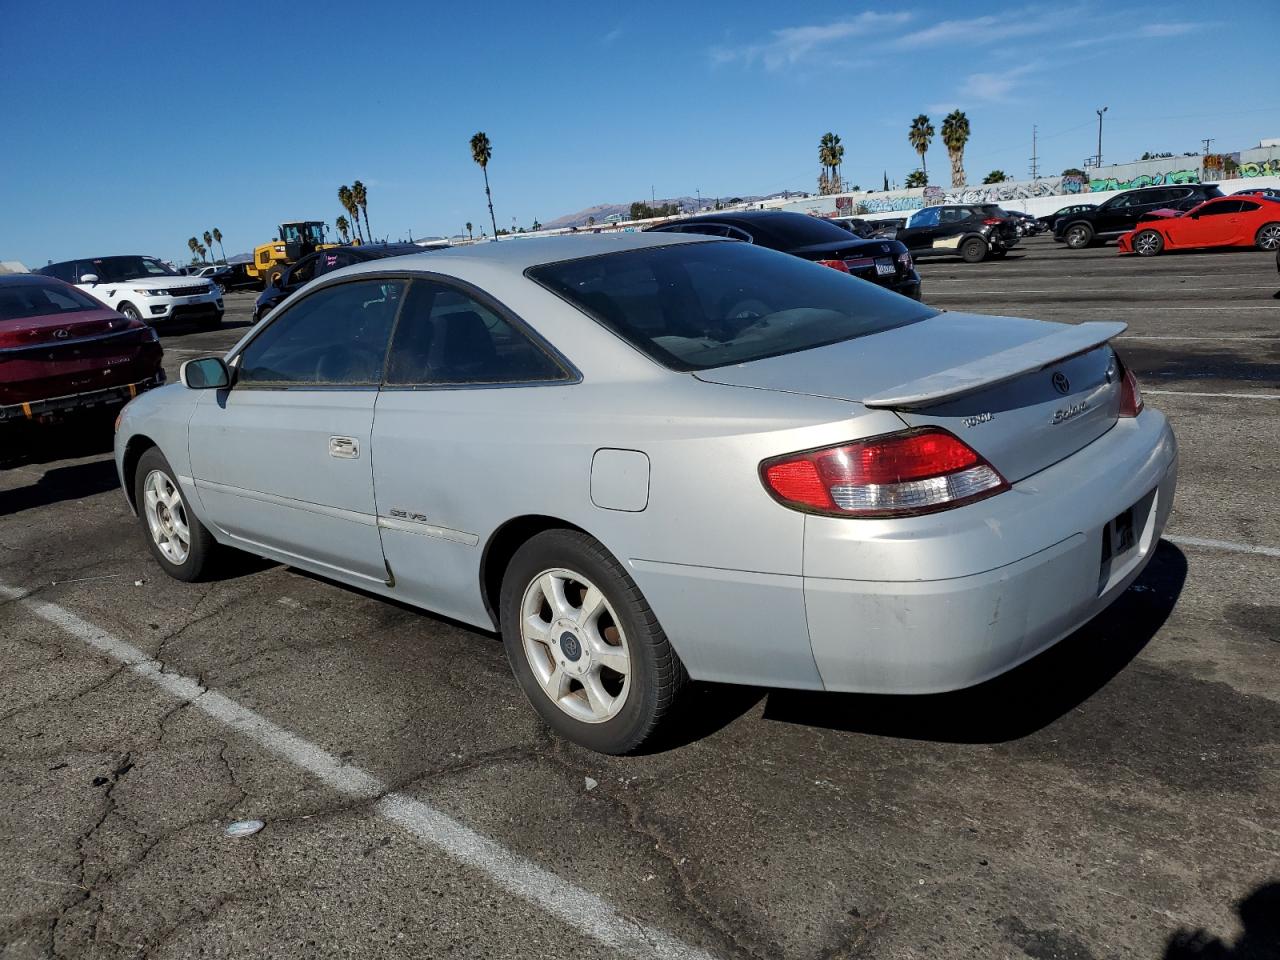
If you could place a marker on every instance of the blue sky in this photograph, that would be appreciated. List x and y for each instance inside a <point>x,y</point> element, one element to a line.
<point>129,132</point>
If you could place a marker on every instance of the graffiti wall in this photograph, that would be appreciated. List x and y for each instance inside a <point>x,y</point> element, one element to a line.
<point>1101,184</point>
<point>1262,168</point>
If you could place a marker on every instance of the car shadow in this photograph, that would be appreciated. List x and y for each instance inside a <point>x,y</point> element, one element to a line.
<point>1259,914</point>
<point>1022,701</point>
<point>61,483</point>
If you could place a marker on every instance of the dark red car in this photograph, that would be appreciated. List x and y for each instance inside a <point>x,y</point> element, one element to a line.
<point>62,350</point>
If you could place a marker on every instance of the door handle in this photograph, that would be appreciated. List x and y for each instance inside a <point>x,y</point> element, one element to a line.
<point>344,448</point>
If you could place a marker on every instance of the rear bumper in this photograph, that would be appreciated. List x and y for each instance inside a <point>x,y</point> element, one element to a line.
<point>932,603</point>
<point>973,598</point>
<point>51,406</point>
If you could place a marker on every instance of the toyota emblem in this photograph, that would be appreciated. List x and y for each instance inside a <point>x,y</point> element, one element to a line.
<point>1061,383</point>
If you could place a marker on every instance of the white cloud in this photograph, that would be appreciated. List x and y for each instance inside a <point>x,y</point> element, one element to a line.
<point>995,87</point>
<point>990,28</point>
<point>612,35</point>
<point>790,45</point>
<point>1166,29</point>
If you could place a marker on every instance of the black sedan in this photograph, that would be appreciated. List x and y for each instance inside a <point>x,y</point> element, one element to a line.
<point>880,261</point>
<point>321,262</point>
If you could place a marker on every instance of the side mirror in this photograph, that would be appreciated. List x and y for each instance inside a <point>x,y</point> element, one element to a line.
<point>276,280</point>
<point>88,278</point>
<point>205,373</point>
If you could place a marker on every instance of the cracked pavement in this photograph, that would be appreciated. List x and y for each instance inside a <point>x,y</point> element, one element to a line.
<point>1119,792</point>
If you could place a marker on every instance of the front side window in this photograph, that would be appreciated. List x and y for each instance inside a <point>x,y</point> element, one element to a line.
<point>928,217</point>
<point>63,271</point>
<point>700,305</point>
<point>1219,208</point>
<point>336,336</point>
<point>446,337</point>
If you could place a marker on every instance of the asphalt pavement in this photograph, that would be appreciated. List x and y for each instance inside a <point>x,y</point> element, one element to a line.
<point>1119,796</point>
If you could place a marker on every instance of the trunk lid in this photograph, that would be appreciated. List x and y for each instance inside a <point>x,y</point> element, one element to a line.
<point>1023,393</point>
<point>33,331</point>
<point>46,357</point>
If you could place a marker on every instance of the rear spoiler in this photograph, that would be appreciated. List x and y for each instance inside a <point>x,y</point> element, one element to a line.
<point>998,367</point>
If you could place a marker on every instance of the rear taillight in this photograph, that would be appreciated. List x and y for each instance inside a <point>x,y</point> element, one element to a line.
<point>905,261</point>
<point>834,265</point>
<point>993,221</point>
<point>899,474</point>
<point>1130,393</point>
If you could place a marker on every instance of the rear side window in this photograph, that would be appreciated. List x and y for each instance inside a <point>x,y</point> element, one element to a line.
<point>446,337</point>
<point>336,336</point>
<point>700,305</point>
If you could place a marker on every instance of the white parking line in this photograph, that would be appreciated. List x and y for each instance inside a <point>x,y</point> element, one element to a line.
<point>586,912</point>
<point>1193,393</point>
<point>1227,545</point>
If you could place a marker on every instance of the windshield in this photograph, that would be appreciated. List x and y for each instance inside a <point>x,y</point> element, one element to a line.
<point>700,305</point>
<point>25,300</point>
<point>116,269</point>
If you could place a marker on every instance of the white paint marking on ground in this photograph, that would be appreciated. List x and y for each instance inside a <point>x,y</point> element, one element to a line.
<point>1193,393</point>
<point>580,909</point>
<point>1100,292</point>
<point>1227,545</point>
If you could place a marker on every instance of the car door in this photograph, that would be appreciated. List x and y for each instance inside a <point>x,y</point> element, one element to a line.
<point>920,229</point>
<point>469,390</point>
<point>1213,223</point>
<point>282,460</point>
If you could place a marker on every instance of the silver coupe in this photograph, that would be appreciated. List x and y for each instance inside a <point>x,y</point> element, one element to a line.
<point>647,458</point>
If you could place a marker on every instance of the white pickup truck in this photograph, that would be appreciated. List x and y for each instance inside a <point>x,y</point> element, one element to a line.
<point>143,288</point>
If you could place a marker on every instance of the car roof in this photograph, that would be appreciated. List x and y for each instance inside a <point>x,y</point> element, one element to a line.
<point>26,279</point>
<point>520,254</point>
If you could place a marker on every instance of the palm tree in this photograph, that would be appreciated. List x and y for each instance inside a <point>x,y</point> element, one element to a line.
<point>347,200</point>
<point>955,134</point>
<point>200,248</point>
<point>830,156</point>
<point>194,246</point>
<point>217,238</point>
<point>995,176</point>
<point>920,136</point>
<point>482,153</point>
<point>916,178</point>
<point>343,228</point>
<point>208,239</point>
<point>470,235</point>
<point>360,197</point>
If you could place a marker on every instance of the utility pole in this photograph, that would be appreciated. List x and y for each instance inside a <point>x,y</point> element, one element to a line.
<point>1206,141</point>
<point>1099,156</point>
<point>1035,166</point>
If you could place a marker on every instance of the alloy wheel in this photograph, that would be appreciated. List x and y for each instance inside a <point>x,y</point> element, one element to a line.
<point>1269,237</point>
<point>166,517</point>
<point>1147,243</point>
<point>575,645</point>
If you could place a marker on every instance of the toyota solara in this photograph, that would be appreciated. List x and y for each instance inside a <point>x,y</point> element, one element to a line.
<point>647,458</point>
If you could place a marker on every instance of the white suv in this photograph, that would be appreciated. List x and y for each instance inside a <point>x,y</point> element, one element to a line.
<point>143,288</point>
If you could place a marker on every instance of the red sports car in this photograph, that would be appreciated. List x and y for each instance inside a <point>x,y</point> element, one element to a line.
<point>61,350</point>
<point>1250,221</point>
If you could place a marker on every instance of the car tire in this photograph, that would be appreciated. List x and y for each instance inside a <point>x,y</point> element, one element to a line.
<point>272,272</point>
<point>595,663</point>
<point>973,250</point>
<point>1078,236</point>
<point>164,512</point>
<point>130,311</point>
<point>1148,243</point>
<point>1268,237</point>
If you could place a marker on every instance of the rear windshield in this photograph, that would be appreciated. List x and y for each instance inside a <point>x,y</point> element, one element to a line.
<point>693,306</point>
<point>25,300</point>
<point>786,231</point>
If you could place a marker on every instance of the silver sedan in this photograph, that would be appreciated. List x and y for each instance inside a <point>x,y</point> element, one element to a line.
<point>648,458</point>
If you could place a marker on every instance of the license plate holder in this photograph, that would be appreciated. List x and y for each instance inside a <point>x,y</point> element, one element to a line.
<point>885,268</point>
